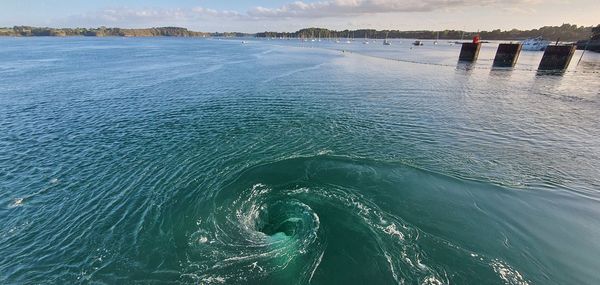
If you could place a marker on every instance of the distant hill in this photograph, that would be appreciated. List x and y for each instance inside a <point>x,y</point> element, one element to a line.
<point>26,31</point>
<point>565,32</point>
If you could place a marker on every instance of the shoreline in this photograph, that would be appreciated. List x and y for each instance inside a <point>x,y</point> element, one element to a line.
<point>564,33</point>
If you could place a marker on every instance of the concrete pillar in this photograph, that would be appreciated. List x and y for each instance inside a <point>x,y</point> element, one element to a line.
<point>507,55</point>
<point>469,52</point>
<point>557,57</point>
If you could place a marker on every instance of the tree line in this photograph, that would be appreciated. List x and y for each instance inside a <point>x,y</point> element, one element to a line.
<point>26,31</point>
<point>565,32</point>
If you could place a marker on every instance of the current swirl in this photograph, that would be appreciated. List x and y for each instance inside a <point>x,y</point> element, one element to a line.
<point>259,233</point>
<point>280,223</point>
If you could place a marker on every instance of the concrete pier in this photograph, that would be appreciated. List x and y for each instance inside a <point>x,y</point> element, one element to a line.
<point>507,55</point>
<point>557,58</point>
<point>469,52</point>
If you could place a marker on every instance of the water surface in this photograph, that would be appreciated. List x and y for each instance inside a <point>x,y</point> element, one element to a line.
<point>280,162</point>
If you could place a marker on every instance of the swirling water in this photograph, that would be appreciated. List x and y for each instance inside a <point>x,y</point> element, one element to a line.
<point>279,162</point>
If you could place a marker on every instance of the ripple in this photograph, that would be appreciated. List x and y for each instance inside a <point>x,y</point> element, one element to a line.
<point>291,217</point>
<point>192,161</point>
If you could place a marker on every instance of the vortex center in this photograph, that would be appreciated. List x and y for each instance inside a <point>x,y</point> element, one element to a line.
<point>287,227</point>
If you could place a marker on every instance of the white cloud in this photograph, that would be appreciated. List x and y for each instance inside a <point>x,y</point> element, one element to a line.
<point>298,9</point>
<point>304,13</point>
<point>201,11</point>
<point>150,16</point>
<point>340,8</point>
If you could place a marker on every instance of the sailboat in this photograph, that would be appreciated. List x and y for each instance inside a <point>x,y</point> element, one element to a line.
<point>386,42</point>
<point>366,42</point>
<point>462,37</point>
<point>348,41</point>
<point>437,38</point>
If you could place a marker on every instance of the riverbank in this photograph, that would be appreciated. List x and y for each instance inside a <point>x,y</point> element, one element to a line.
<point>565,32</point>
<point>27,31</point>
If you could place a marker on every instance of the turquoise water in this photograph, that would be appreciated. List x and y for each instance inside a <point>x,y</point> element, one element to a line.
<point>279,162</point>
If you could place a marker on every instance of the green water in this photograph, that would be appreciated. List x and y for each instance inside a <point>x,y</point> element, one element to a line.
<point>277,162</point>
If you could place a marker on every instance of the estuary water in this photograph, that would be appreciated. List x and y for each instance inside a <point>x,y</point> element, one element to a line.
<point>204,161</point>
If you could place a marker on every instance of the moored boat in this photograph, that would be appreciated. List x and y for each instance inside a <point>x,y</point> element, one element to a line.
<point>386,42</point>
<point>535,44</point>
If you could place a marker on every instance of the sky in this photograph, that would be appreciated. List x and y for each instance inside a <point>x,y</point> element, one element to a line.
<point>291,15</point>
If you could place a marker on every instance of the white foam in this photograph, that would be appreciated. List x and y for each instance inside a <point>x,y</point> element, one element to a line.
<point>316,266</point>
<point>302,190</point>
<point>508,274</point>
<point>391,264</point>
<point>255,265</point>
<point>431,281</point>
<point>393,231</point>
<point>17,202</point>
<point>212,280</point>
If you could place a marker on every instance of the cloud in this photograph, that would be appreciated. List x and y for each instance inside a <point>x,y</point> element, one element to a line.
<point>201,11</point>
<point>298,9</point>
<point>301,11</point>
<point>341,8</point>
<point>155,16</point>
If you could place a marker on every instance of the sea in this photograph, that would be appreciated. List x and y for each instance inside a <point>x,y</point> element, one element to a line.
<point>278,161</point>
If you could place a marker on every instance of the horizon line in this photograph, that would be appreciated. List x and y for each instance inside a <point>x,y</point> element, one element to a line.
<point>282,32</point>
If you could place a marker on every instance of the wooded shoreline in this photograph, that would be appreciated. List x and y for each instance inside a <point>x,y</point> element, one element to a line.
<point>565,32</point>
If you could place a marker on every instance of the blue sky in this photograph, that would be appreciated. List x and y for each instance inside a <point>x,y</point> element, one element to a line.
<point>290,15</point>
